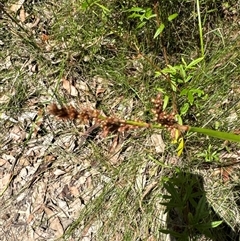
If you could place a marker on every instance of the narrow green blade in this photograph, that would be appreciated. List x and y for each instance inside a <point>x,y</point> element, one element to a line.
<point>217,134</point>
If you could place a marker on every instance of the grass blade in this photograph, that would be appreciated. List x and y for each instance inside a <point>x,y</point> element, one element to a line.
<point>217,134</point>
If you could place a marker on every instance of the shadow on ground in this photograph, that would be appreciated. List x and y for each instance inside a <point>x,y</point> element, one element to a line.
<point>190,216</point>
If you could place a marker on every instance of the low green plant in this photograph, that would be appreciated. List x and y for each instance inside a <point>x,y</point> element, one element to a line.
<point>209,155</point>
<point>145,14</point>
<point>104,10</point>
<point>187,204</point>
<point>180,75</point>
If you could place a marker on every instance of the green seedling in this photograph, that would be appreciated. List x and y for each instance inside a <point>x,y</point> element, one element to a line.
<point>209,155</point>
<point>143,15</point>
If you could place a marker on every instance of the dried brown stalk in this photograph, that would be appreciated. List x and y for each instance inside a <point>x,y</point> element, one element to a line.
<point>113,124</point>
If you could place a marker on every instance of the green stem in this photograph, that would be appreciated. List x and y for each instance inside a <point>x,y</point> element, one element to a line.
<point>216,134</point>
<point>200,28</point>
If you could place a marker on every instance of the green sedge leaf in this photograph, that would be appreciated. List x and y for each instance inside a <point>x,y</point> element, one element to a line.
<point>165,101</point>
<point>188,78</point>
<point>171,17</point>
<point>198,92</point>
<point>159,30</point>
<point>85,5</point>
<point>190,218</point>
<point>209,225</point>
<point>182,71</point>
<point>179,80</point>
<point>180,146</point>
<point>184,109</point>
<point>217,134</point>
<point>173,85</point>
<point>184,62</point>
<point>195,62</point>
<point>134,15</point>
<point>179,119</point>
<point>141,18</point>
<point>141,25</point>
<point>184,92</point>
<point>151,16</point>
<point>135,9</point>
<point>216,223</point>
<point>161,90</point>
<point>169,70</point>
<point>190,97</point>
<point>102,7</point>
<point>200,208</point>
<point>172,69</point>
<point>148,14</point>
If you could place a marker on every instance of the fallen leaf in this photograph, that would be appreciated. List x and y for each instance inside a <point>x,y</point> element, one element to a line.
<point>66,192</point>
<point>69,87</point>
<point>63,205</point>
<point>232,117</point>
<point>149,188</point>
<point>44,37</point>
<point>2,162</point>
<point>226,173</point>
<point>9,157</point>
<point>3,116</point>
<point>16,6</point>
<point>34,24</point>
<point>89,182</point>
<point>158,143</point>
<point>55,223</point>
<point>17,134</point>
<point>74,191</point>
<point>81,85</point>
<point>7,63</point>
<point>4,182</point>
<point>151,238</point>
<point>4,99</point>
<point>115,150</point>
<point>58,172</point>
<point>30,218</point>
<point>82,180</point>
<point>237,132</point>
<point>27,117</point>
<point>68,142</point>
<point>22,15</point>
<point>87,227</point>
<point>57,227</point>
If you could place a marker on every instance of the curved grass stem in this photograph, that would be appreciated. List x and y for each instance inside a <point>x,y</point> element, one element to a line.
<point>200,28</point>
